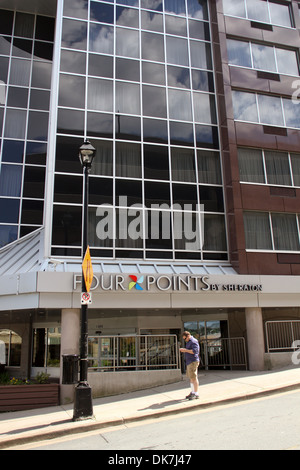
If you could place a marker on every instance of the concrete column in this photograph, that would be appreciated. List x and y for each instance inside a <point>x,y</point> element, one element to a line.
<point>255,338</point>
<point>70,336</point>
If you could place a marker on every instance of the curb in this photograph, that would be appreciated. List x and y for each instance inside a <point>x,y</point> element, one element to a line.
<point>86,426</point>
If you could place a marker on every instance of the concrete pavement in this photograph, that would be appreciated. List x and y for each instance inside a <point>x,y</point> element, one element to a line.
<point>216,387</point>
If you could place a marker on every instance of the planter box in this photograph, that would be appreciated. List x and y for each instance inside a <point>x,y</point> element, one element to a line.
<point>26,397</point>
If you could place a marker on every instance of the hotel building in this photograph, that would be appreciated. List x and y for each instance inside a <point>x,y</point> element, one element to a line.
<point>193,107</point>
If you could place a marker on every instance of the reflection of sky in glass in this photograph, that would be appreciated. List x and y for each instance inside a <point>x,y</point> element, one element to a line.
<point>244,106</point>
<point>270,110</point>
<point>291,113</point>
<point>263,57</point>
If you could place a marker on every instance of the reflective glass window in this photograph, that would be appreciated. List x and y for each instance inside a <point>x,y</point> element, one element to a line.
<point>128,192</point>
<point>78,9</point>
<point>10,180</point>
<point>71,91</point>
<point>103,165</point>
<point>127,69</point>
<point>99,125</point>
<point>212,198</point>
<point>43,50</point>
<point>74,34</point>
<point>153,47</point>
<point>20,72</point>
<point>200,55</point>
<point>9,210</point>
<point>204,108</point>
<point>5,45</point>
<point>179,77</point>
<point>68,188</point>
<point>154,101</point>
<point>12,151</point>
<point>185,195</point>
<point>198,9</point>
<point>34,182</point>
<point>6,21</point>
<point>17,97</point>
<point>153,73</point>
<point>156,5</point>
<point>209,167</point>
<point>157,193</point>
<point>181,133</point>
<point>24,25</point>
<point>202,80</point>
<point>176,7</point>
<point>8,233</point>
<point>45,28</point>
<point>199,30</point>
<point>37,126</point>
<point>287,62</point>
<point>101,38</point>
<point>15,124</point>
<point>66,150</point>
<point>32,212</point>
<point>280,14</point>
<point>155,131</point>
<point>270,110</point>
<point>177,51</point>
<point>291,113</point>
<point>100,190</point>
<point>39,99</point>
<point>239,53</point>
<point>244,106</point>
<point>128,128</point>
<point>102,12</point>
<point>183,164</point>
<point>152,21</point>
<point>70,121</point>
<point>177,26</point>
<point>207,136</point>
<point>36,153</point>
<point>100,94</point>
<point>214,233</point>
<point>41,74</point>
<point>71,61</point>
<point>22,48</point>
<point>156,162</point>
<point>100,66</point>
<point>127,42</point>
<point>263,57</point>
<point>67,222</point>
<point>127,17</point>
<point>258,10</point>
<point>127,98</point>
<point>180,106</point>
<point>128,160</point>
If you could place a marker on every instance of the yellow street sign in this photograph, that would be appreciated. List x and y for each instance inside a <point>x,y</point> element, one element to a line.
<point>87,269</point>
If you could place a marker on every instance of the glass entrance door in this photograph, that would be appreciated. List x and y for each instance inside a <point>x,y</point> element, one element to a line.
<point>210,334</point>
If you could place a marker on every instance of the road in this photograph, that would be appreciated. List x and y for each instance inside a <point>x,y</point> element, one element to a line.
<point>269,423</point>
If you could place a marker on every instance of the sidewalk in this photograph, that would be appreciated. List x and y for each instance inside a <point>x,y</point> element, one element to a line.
<point>216,387</point>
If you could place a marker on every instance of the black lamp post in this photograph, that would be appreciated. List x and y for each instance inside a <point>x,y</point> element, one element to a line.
<point>83,407</point>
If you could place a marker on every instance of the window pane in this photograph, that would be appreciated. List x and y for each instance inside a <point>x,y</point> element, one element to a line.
<point>244,106</point>
<point>127,98</point>
<point>102,12</point>
<point>103,165</point>
<point>152,21</point>
<point>236,8</point>
<point>100,94</point>
<point>278,168</point>
<point>127,69</point>
<point>127,17</point>
<point>127,42</point>
<point>34,182</point>
<point>175,6</point>
<point>101,38</point>
<point>209,169</point>
<point>251,165</point>
<point>183,165</point>
<point>32,212</point>
<point>179,77</point>
<point>8,233</point>
<point>19,72</point>
<point>15,124</point>
<point>128,128</point>
<point>71,61</point>
<point>10,180</point>
<point>295,159</point>
<point>291,113</point>
<point>153,47</point>
<point>239,53</point>
<point>99,125</point>
<point>214,233</point>
<point>263,58</point>
<point>78,9</point>
<point>287,62</point>
<point>37,126</point>
<point>70,121</point>
<point>181,133</point>
<point>155,131</point>
<point>9,210</point>
<point>68,189</point>
<point>66,225</point>
<point>153,73</point>
<point>24,25</point>
<point>156,162</point>
<point>71,91</point>
<point>258,10</point>
<point>200,55</point>
<point>180,105</point>
<point>280,14</point>
<point>285,232</point>
<point>157,193</point>
<point>270,110</point>
<point>177,51</point>
<point>128,160</point>
<point>204,108</point>
<point>198,9</point>
<point>175,25</point>
<point>12,151</point>
<point>74,34</point>
<point>257,231</point>
<point>154,101</point>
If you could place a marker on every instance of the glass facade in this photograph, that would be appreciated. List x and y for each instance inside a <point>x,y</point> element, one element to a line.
<point>136,79</point>
<point>26,49</point>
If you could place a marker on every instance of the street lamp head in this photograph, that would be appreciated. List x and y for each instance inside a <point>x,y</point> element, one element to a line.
<point>86,154</point>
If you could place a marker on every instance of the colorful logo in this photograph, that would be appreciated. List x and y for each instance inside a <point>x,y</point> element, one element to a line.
<point>136,282</point>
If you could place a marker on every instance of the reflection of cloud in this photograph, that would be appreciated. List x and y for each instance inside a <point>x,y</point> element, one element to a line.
<point>244,105</point>
<point>101,38</point>
<point>2,92</point>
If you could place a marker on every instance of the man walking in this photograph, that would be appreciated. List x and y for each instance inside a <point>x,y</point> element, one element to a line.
<point>192,360</point>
